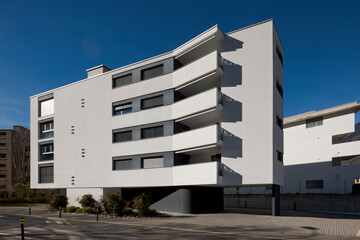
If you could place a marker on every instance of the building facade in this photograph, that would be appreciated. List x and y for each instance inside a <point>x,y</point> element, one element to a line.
<point>322,151</point>
<point>182,125</point>
<point>14,158</point>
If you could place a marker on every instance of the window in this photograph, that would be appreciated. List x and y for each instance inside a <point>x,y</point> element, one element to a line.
<point>152,132</point>
<point>122,136</point>
<point>152,102</point>
<point>2,144</point>
<point>314,184</point>
<point>152,72</point>
<point>47,107</point>
<point>152,162</point>
<point>2,155</point>
<point>119,109</point>
<point>314,122</point>
<point>280,89</point>
<point>47,152</point>
<point>2,175</point>
<point>279,156</point>
<point>47,129</point>
<point>123,164</point>
<point>122,80</point>
<point>279,55</point>
<point>46,174</point>
<point>279,122</point>
<point>2,166</point>
<point>2,134</point>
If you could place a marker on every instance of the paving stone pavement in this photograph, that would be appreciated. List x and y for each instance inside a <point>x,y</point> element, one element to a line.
<point>332,224</point>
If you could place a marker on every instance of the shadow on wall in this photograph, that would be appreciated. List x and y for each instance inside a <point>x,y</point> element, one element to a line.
<point>230,176</point>
<point>231,44</point>
<point>232,146</point>
<point>333,179</point>
<point>232,74</point>
<point>234,115</point>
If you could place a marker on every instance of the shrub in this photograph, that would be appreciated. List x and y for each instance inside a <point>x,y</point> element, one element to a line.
<point>87,201</point>
<point>127,211</point>
<point>19,190</point>
<point>78,211</point>
<point>58,201</point>
<point>142,204</point>
<point>71,209</point>
<point>113,204</point>
<point>87,210</point>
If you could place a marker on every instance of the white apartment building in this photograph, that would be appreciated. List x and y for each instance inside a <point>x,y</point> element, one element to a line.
<point>181,125</point>
<point>321,151</point>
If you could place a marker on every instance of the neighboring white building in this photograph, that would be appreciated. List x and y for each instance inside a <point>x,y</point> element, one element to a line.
<point>321,151</point>
<point>182,125</point>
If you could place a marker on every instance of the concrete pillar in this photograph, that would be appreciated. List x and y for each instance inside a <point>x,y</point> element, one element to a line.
<point>275,200</point>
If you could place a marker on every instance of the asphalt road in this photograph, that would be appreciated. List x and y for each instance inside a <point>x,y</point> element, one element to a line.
<point>42,225</point>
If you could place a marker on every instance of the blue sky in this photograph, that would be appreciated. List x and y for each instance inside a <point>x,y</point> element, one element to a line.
<point>46,44</point>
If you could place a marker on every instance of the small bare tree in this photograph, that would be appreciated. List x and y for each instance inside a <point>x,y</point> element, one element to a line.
<point>20,152</point>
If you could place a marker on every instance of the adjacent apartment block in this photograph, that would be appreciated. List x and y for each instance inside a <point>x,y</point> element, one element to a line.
<point>14,158</point>
<point>322,151</point>
<point>181,125</point>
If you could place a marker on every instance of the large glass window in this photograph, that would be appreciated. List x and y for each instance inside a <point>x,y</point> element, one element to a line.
<point>47,152</point>
<point>122,136</point>
<point>152,162</point>
<point>119,109</point>
<point>122,80</point>
<point>314,122</point>
<point>152,132</point>
<point>47,129</point>
<point>152,72</point>
<point>46,174</point>
<point>152,102</point>
<point>123,164</point>
<point>46,107</point>
<point>2,155</point>
<point>314,184</point>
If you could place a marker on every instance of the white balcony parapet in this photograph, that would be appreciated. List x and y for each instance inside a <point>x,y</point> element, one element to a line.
<point>186,107</point>
<point>204,136</point>
<point>346,149</point>
<point>191,72</point>
<point>184,175</point>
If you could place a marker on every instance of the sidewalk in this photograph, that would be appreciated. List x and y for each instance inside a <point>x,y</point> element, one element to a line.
<point>325,223</point>
<point>231,222</point>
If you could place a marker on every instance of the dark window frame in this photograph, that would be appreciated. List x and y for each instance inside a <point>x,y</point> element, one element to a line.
<point>51,178</point>
<point>143,78</point>
<point>121,111</point>
<point>280,89</point>
<point>151,98</point>
<point>155,129</point>
<point>46,153</point>
<point>152,157</point>
<point>122,160</point>
<point>279,122</point>
<point>2,155</point>
<point>42,132</point>
<point>314,122</point>
<point>114,80</point>
<point>280,56</point>
<point>315,184</point>
<point>124,132</point>
<point>279,156</point>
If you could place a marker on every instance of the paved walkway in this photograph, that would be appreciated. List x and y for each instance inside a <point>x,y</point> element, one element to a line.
<point>233,223</point>
<point>332,224</point>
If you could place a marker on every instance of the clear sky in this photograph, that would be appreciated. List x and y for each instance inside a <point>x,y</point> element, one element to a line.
<point>45,44</point>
